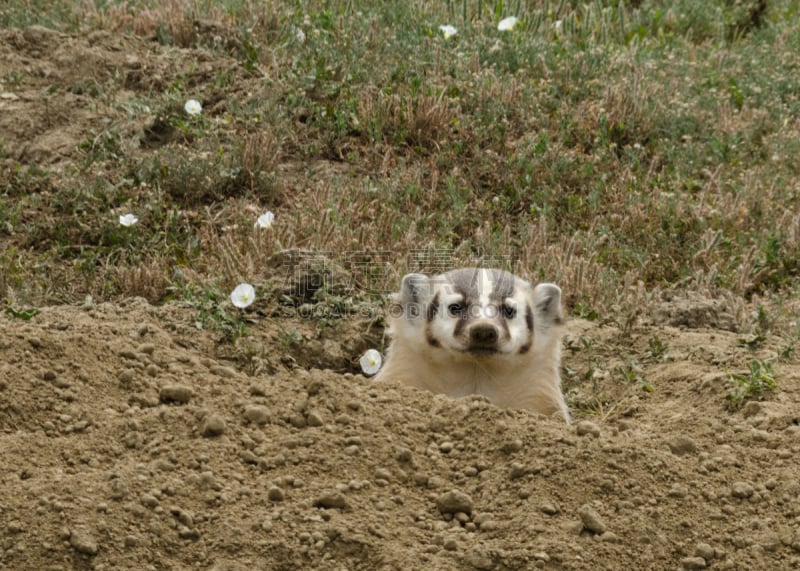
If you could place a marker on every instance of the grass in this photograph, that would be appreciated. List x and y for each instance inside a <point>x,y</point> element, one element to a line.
<point>614,148</point>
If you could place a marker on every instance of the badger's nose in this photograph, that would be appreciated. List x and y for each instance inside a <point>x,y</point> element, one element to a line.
<point>483,335</point>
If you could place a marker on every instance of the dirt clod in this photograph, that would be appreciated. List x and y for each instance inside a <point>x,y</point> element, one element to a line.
<point>585,427</point>
<point>257,414</point>
<point>693,563</point>
<point>682,445</point>
<point>83,541</point>
<point>213,425</point>
<point>454,501</point>
<point>705,551</point>
<point>331,500</point>
<point>742,490</point>
<point>175,393</point>
<point>591,520</point>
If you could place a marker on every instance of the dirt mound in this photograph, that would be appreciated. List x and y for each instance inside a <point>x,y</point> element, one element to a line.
<point>129,443</point>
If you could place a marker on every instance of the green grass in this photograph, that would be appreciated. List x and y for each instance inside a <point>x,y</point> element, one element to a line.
<point>759,380</point>
<point>597,145</point>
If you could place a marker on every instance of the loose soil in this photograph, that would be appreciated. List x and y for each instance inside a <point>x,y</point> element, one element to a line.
<point>132,439</point>
<point>130,442</point>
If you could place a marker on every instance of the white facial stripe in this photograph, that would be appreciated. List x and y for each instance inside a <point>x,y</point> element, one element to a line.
<point>484,289</point>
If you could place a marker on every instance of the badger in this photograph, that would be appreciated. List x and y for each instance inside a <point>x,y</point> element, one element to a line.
<point>478,331</point>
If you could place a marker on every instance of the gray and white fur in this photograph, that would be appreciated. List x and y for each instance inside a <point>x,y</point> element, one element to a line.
<point>478,331</point>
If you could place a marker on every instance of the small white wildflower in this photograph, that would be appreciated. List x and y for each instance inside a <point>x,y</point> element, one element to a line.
<point>448,31</point>
<point>243,295</point>
<point>193,107</point>
<point>507,24</point>
<point>558,25</point>
<point>265,220</point>
<point>299,35</point>
<point>128,219</point>
<point>370,362</point>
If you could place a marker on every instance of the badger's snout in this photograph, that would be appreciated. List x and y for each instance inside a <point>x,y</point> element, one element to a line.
<point>483,336</point>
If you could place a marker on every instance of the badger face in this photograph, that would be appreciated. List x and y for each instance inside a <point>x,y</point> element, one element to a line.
<point>481,313</point>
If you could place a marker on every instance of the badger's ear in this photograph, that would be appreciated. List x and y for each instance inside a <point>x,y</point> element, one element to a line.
<point>416,288</point>
<point>547,305</point>
<point>416,291</point>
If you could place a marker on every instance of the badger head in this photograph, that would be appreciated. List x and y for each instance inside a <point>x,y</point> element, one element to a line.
<point>479,313</point>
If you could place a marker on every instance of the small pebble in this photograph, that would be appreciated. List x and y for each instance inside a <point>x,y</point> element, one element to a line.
<point>227,372</point>
<point>512,446</point>
<point>182,516</point>
<point>678,491</point>
<point>147,348</point>
<point>275,494</point>
<point>549,509</point>
<point>149,501</point>
<point>518,470</point>
<point>213,425</point>
<point>188,533</point>
<point>693,563</point>
<point>82,541</point>
<point>591,520</point>
<point>609,537</point>
<point>705,551</point>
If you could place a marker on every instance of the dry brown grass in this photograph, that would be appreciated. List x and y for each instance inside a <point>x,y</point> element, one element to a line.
<point>417,121</point>
<point>148,280</point>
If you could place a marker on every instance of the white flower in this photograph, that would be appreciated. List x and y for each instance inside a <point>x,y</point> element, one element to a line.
<point>265,220</point>
<point>558,25</point>
<point>193,107</point>
<point>128,219</point>
<point>448,31</point>
<point>299,35</point>
<point>507,24</point>
<point>370,362</point>
<point>243,295</point>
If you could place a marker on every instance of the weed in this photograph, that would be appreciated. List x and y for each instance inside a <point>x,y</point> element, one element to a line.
<point>23,314</point>
<point>213,312</point>
<point>753,341</point>
<point>657,349</point>
<point>632,373</point>
<point>760,379</point>
<point>291,338</point>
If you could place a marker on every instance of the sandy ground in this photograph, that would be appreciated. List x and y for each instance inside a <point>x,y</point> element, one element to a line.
<point>128,443</point>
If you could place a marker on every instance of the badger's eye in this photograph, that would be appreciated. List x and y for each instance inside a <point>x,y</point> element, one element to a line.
<point>455,309</point>
<point>508,311</point>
